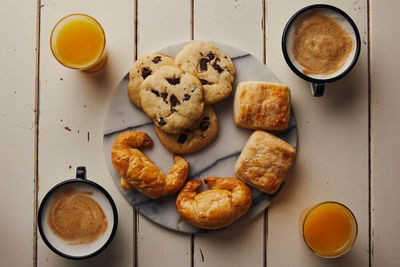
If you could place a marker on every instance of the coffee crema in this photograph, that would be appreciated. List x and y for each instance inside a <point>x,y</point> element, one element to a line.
<point>320,44</point>
<point>76,217</point>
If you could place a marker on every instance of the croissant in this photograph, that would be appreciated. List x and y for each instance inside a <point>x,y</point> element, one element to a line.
<point>139,172</point>
<point>228,199</point>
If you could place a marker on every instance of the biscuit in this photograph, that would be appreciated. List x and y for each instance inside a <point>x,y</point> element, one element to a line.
<point>194,138</point>
<point>143,67</point>
<point>264,161</point>
<point>172,99</point>
<point>213,67</point>
<point>261,105</point>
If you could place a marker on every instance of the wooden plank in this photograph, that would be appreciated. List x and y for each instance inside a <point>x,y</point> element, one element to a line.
<point>17,94</point>
<point>238,23</point>
<point>161,23</point>
<point>72,110</point>
<point>332,159</point>
<point>385,112</point>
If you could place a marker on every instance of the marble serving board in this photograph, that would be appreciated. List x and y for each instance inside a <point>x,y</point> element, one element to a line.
<point>217,159</point>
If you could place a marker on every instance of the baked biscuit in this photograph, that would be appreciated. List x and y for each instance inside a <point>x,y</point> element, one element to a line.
<point>261,105</point>
<point>194,138</point>
<point>264,161</point>
<point>172,99</point>
<point>143,67</point>
<point>213,67</point>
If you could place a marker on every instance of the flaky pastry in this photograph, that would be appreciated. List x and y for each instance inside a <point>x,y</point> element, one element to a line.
<point>139,172</point>
<point>228,199</point>
<point>264,161</point>
<point>262,105</point>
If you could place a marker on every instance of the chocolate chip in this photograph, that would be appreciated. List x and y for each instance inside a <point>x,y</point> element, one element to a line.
<point>205,123</point>
<point>186,97</point>
<point>203,63</point>
<point>161,121</point>
<point>174,101</point>
<point>204,82</point>
<point>155,92</point>
<point>164,96</point>
<point>174,81</point>
<point>201,54</point>
<point>217,67</point>
<point>211,56</point>
<point>157,59</point>
<point>173,110</point>
<point>182,138</point>
<point>145,72</point>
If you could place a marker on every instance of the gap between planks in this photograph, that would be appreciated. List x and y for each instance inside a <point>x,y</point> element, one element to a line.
<point>370,204</point>
<point>192,236</point>
<point>36,146</point>
<point>135,213</point>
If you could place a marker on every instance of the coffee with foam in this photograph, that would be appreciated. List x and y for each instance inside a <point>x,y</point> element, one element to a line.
<point>77,219</point>
<point>321,43</point>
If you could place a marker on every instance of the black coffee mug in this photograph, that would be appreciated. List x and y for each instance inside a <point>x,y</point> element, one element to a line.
<point>318,82</point>
<point>104,200</point>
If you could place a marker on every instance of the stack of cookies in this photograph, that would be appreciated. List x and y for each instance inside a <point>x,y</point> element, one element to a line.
<point>176,94</point>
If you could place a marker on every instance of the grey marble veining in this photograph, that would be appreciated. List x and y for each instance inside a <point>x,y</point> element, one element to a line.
<point>216,159</point>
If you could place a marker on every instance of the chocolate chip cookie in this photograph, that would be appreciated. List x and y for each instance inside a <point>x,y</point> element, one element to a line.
<point>194,138</point>
<point>172,99</point>
<point>144,67</point>
<point>213,67</point>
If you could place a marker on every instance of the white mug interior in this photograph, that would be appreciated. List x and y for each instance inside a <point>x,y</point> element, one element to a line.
<point>78,250</point>
<point>343,22</point>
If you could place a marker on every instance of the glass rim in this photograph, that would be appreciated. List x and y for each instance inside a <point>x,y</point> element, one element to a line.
<point>72,66</point>
<point>342,250</point>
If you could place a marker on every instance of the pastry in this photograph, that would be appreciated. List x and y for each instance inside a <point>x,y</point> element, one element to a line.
<point>194,138</point>
<point>139,172</point>
<point>261,105</point>
<point>143,67</point>
<point>264,161</point>
<point>213,67</point>
<point>172,99</point>
<point>228,199</point>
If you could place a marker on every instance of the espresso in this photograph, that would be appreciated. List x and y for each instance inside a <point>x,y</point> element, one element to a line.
<point>320,44</point>
<point>77,219</point>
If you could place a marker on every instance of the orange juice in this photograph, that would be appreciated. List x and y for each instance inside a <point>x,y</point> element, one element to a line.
<point>329,229</point>
<point>78,42</point>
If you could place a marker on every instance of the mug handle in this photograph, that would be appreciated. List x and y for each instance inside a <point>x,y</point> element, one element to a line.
<point>81,172</point>
<point>317,89</point>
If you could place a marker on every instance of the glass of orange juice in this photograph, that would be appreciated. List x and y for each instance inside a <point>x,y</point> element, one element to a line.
<point>329,229</point>
<point>78,42</point>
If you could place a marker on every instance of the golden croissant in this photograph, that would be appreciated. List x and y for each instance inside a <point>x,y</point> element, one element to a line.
<point>228,199</point>
<point>139,172</point>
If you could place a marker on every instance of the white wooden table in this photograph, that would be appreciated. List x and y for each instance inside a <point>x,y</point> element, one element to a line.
<point>52,119</point>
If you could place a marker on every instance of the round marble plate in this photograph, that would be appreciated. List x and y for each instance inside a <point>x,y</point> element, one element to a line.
<point>217,159</point>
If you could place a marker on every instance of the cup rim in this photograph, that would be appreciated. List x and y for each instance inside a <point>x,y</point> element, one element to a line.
<point>55,54</point>
<point>355,233</point>
<point>298,72</point>
<point>46,198</point>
